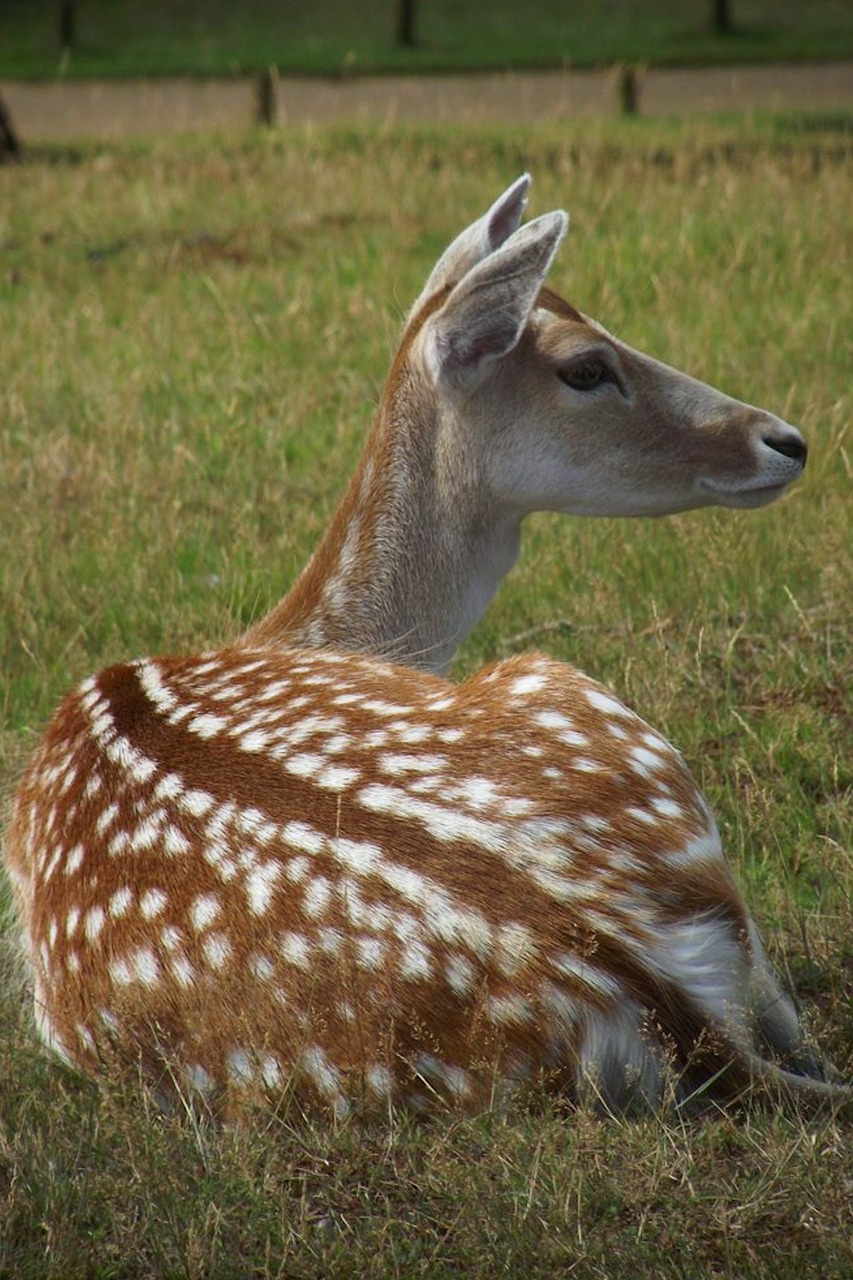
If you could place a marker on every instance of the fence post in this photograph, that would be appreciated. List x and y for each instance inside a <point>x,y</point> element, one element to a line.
<point>406,10</point>
<point>10,147</point>
<point>266,97</point>
<point>66,23</point>
<point>721,18</point>
<point>628,80</point>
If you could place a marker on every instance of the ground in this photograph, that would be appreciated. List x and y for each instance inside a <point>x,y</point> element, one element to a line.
<point>62,110</point>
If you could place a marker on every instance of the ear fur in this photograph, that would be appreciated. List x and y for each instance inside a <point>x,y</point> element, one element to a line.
<point>486,314</point>
<point>479,240</point>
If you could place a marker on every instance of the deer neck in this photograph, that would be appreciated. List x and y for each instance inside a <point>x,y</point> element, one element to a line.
<point>414,552</point>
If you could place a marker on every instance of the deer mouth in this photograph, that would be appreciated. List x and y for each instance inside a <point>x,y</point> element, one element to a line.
<point>759,495</point>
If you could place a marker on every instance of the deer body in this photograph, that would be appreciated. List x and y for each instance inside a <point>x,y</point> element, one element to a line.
<point>317,871</point>
<point>289,865</point>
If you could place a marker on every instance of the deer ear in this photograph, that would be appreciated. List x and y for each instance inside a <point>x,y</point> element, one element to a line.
<point>487,312</point>
<point>479,240</point>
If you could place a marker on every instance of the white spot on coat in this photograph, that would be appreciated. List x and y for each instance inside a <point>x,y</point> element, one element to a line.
<point>260,883</point>
<point>152,903</point>
<point>607,703</point>
<point>120,902</point>
<point>94,923</point>
<point>204,911</point>
<point>217,950</point>
<point>524,685</point>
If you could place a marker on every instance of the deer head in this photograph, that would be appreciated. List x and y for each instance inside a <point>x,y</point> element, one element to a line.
<point>504,400</point>
<point>570,419</point>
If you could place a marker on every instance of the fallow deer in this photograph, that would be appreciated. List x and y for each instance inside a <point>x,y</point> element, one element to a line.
<point>289,867</point>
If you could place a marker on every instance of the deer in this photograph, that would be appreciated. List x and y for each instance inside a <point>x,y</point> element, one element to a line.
<point>308,866</point>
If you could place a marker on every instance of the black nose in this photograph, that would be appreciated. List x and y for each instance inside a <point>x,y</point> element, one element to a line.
<point>791,445</point>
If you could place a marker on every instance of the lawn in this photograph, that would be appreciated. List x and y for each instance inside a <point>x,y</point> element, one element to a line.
<point>158,37</point>
<point>194,335</point>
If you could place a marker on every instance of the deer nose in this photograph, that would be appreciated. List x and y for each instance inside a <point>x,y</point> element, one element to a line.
<point>788,442</point>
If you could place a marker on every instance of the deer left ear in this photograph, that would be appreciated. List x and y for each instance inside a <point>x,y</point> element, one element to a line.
<point>486,314</point>
<point>479,240</point>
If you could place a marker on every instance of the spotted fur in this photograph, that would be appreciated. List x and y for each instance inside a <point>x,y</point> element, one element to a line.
<point>315,871</point>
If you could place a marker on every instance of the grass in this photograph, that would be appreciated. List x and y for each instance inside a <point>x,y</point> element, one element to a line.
<point>129,37</point>
<point>194,337</point>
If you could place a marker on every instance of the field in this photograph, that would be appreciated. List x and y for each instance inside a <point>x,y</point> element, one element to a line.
<point>194,335</point>
<point>158,37</point>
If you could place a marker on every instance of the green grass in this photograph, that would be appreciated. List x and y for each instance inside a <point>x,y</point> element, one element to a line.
<point>194,334</point>
<point>157,37</point>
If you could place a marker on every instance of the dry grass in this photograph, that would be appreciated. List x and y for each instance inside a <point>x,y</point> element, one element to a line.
<point>193,339</point>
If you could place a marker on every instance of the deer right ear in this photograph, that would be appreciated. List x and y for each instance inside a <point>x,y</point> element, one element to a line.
<point>479,240</point>
<point>486,314</point>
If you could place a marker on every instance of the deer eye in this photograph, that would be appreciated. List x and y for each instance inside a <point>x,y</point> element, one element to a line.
<point>586,375</point>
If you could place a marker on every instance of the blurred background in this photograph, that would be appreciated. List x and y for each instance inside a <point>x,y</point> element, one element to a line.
<point>217,63</point>
<point>215,37</point>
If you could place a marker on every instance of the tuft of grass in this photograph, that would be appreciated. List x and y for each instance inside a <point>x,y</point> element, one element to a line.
<point>194,336</point>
